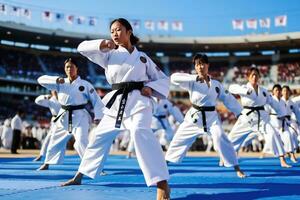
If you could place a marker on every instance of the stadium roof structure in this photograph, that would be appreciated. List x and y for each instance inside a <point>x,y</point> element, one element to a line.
<point>23,33</point>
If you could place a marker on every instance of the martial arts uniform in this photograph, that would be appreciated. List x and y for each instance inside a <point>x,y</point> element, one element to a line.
<point>254,119</point>
<point>54,107</point>
<point>72,118</point>
<point>6,135</point>
<point>203,118</point>
<point>279,122</point>
<point>126,108</point>
<point>17,126</point>
<point>163,109</point>
<point>293,121</point>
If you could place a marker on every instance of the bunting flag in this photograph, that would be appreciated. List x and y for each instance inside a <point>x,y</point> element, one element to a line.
<point>149,25</point>
<point>70,19</point>
<point>15,11</point>
<point>92,21</point>
<point>26,13</point>
<point>80,20</point>
<point>47,16</point>
<point>177,26</point>
<point>163,25</point>
<point>238,24</point>
<point>59,16</point>
<point>281,20</point>
<point>251,23</point>
<point>265,23</point>
<point>3,9</point>
<point>136,24</point>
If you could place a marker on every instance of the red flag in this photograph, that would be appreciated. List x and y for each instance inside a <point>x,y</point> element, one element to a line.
<point>251,23</point>
<point>238,24</point>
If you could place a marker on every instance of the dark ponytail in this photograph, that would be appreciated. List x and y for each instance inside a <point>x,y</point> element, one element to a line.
<point>133,39</point>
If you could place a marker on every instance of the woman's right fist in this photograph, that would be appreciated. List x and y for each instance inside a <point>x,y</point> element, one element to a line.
<point>107,45</point>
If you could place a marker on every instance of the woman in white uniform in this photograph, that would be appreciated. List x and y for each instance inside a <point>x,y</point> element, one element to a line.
<point>51,102</point>
<point>280,123</point>
<point>202,117</point>
<point>6,135</point>
<point>134,78</point>
<point>72,119</point>
<point>293,115</point>
<point>160,122</point>
<point>254,119</point>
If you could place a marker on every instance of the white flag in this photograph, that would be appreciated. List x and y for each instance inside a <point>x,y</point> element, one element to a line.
<point>265,23</point>
<point>3,9</point>
<point>15,11</point>
<point>47,16</point>
<point>26,13</point>
<point>238,24</point>
<point>150,25</point>
<point>163,25</point>
<point>136,24</point>
<point>177,26</point>
<point>251,23</point>
<point>92,21</point>
<point>80,20</point>
<point>281,20</point>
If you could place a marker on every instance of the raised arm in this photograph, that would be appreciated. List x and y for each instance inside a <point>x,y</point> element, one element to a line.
<point>183,80</point>
<point>49,82</point>
<point>43,100</point>
<point>159,82</point>
<point>238,89</point>
<point>91,49</point>
<point>229,101</point>
<point>96,102</point>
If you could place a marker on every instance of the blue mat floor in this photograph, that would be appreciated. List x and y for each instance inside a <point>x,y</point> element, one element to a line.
<point>195,178</point>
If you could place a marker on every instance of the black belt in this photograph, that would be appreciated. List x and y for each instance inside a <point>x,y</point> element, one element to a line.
<point>122,88</point>
<point>284,118</point>
<point>257,109</point>
<point>70,109</point>
<point>203,109</point>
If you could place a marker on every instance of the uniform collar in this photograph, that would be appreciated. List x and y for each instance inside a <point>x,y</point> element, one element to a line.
<point>198,79</point>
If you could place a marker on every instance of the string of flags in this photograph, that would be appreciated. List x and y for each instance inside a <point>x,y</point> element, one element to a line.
<point>71,19</point>
<point>239,24</point>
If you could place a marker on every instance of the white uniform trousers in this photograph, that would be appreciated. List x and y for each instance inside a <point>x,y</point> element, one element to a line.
<point>45,144</point>
<point>59,139</point>
<point>295,131</point>
<point>287,139</point>
<point>241,131</point>
<point>148,151</point>
<point>186,135</point>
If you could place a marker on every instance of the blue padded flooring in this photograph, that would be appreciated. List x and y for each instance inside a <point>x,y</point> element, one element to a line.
<point>195,178</point>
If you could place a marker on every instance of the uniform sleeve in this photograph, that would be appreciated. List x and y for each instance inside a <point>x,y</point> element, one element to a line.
<point>177,114</point>
<point>49,82</point>
<point>296,110</point>
<point>238,89</point>
<point>274,104</point>
<point>91,50</point>
<point>229,101</point>
<point>42,100</point>
<point>159,82</point>
<point>96,102</point>
<point>183,80</point>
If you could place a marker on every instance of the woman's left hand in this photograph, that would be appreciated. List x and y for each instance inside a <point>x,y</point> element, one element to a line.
<point>146,91</point>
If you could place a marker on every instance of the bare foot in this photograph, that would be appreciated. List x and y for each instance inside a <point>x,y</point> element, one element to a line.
<point>283,162</point>
<point>163,191</point>
<point>293,158</point>
<point>38,158</point>
<point>43,167</point>
<point>239,172</point>
<point>71,182</point>
<point>221,163</point>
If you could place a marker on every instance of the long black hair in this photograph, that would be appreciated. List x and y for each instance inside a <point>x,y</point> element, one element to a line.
<point>133,39</point>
